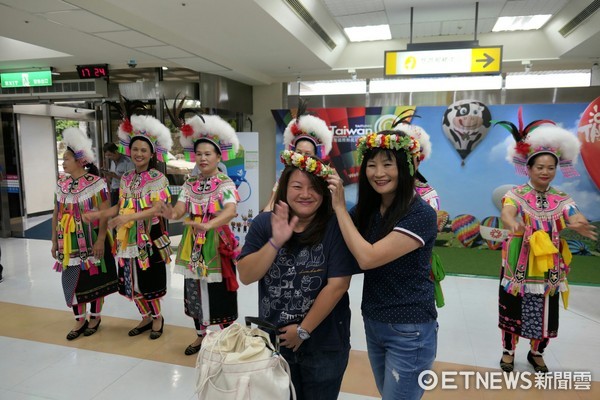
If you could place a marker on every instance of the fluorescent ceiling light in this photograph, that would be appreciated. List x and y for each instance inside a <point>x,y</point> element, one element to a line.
<point>548,79</point>
<point>438,84</point>
<point>368,33</point>
<point>316,88</point>
<point>521,23</point>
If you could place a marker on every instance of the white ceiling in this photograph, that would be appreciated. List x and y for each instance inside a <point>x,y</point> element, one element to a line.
<point>264,41</point>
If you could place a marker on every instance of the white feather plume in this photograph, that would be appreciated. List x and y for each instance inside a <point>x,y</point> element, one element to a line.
<point>309,123</point>
<point>213,125</point>
<point>77,140</point>
<point>146,125</point>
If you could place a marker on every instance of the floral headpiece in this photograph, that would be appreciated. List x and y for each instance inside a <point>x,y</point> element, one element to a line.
<point>80,145</point>
<point>391,141</point>
<point>538,137</point>
<point>149,128</point>
<point>210,128</point>
<point>308,127</point>
<point>305,163</point>
<point>403,124</point>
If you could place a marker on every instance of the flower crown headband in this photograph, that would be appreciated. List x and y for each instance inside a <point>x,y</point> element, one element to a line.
<point>80,145</point>
<point>390,141</point>
<point>538,137</point>
<point>210,128</point>
<point>305,163</point>
<point>308,127</point>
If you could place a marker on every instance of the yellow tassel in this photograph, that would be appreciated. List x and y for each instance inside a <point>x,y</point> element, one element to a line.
<point>67,224</point>
<point>123,232</point>
<point>540,256</point>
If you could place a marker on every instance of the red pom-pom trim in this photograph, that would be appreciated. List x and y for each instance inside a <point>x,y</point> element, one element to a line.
<point>187,130</point>
<point>523,148</point>
<point>295,130</point>
<point>126,126</point>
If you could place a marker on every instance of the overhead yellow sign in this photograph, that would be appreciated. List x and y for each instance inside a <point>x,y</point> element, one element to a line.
<point>475,60</point>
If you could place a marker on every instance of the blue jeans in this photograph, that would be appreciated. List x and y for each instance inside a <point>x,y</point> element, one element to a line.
<point>398,354</point>
<point>317,375</point>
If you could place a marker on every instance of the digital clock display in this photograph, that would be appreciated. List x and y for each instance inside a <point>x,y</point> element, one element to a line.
<point>92,71</point>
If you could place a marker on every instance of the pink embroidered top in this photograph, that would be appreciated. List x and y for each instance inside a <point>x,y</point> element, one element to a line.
<point>73,198</point>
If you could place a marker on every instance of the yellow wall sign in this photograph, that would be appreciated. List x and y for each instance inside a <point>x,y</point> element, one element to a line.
<point>475,60</point>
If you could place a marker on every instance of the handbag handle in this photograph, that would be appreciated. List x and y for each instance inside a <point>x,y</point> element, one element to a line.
<point>260,323</point>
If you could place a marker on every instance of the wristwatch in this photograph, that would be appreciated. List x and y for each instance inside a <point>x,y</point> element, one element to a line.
<point>302,333</point>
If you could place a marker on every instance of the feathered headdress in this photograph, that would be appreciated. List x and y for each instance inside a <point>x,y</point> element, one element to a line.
<point>145,126</point>
<point>210,128</point>
<point>541,136</point>
<point>308,127</point>
<point>391,141</point>
<point>309,164</point>
<point>80,145</point>
<point>403,123</point>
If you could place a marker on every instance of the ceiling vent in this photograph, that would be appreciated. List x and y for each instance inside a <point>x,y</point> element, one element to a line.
<point>70,89</point>
<point>579,18</point>
<point>312,23</point>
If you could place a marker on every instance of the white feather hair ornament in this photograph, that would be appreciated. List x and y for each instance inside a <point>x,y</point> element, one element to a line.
<point>308,127</point>
<point>151,129</point>
<point>76,140</point>
<point>213,129</point>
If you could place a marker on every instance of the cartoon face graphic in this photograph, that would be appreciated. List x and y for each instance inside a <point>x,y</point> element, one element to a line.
<point>465,124</point>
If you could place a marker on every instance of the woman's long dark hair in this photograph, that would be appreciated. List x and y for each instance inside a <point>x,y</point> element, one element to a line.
<point>152,163</point>
<point>369,201</point>
<point>316,229</point>
<point>89,167</point>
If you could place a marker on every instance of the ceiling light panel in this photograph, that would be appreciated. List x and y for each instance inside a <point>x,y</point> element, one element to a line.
<point>368,33</point>
<point>374,18</point>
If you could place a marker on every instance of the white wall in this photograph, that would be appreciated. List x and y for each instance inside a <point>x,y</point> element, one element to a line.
<point>38,155</point>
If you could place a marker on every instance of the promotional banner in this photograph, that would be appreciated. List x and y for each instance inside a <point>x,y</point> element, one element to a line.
<point>473,186</point>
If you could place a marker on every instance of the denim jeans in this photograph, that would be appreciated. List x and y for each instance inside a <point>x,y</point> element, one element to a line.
<point>398,354</point>
<point>317,375</point>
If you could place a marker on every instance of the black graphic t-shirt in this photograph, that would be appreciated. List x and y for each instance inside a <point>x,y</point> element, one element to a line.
<point>296,277</point>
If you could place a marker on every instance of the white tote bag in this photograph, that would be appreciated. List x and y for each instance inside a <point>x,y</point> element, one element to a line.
<point>240,363</point>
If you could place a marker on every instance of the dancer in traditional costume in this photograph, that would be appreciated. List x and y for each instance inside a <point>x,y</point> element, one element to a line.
<point>82,250</point>
<point>535,261</point>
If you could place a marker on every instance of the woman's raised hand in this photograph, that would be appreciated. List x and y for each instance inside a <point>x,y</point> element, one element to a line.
<point>336,187</point>
<point>166,210</point>
<point>584,228</point>
<point>281,225</point>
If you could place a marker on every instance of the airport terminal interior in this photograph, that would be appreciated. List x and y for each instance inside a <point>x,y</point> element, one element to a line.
<point>245,60</point>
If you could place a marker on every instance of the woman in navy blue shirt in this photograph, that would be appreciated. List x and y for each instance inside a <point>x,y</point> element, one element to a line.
<point>391,233</point>
<point>303,267</point>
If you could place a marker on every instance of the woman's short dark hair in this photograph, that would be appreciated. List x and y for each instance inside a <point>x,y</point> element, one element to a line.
<point>152,163</point>
<point>202,140</point>
<point>532,159</point>
<point>110,147</point>
<point>369,201</point>
<point>316,229</point>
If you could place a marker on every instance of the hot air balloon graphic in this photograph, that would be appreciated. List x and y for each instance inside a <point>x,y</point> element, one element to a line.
<point>589,135</point>
<point>466,229</point>
<point>493,232</point>
<point>465,124</point>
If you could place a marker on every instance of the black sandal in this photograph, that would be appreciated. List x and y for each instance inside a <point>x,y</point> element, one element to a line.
<point>507,366</point>
<point>90,331</point>
<point>138,330</point>
<point>74,334</point>
<point>156,334</point>
<point>536,367</point>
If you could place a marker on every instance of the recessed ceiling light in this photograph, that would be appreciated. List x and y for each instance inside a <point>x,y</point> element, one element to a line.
<point>368,33</point>
<point>521,23</point>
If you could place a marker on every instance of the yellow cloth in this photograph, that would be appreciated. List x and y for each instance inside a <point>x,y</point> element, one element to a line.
<point>567,257</point>
<point>123,232</point>
<point>540,256</point>
<point>67,223</point>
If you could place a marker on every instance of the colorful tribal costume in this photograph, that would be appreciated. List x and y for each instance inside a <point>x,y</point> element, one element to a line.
<point>207,259</point>
<point>142,247</point>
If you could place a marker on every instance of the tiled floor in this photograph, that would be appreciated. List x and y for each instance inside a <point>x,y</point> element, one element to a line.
<point>36,362</point>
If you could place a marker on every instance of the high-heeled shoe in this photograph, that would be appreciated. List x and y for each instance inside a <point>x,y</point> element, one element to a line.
<point>89,331</point>
<point>74,334</point>
<point>156,334</point>
<point>505,365</point>
<point>138,330</point>
<point>536,367</point>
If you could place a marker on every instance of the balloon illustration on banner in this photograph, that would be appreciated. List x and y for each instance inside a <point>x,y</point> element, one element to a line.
<point>499,193</point>
<point>492,230</point>
<point>465,124</point>
<point>466,229</point>
<point>579,248</point>
<point>589,136</point>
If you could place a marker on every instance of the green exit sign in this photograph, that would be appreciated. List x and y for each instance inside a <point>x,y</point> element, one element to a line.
<point>26,79</point>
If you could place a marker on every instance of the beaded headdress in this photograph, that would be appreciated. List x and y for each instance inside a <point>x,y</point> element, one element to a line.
<point>391,141</point>
<point>305,163</point>
<point>308,127</point>
<point>403,123</point>
<point>144,126</point>
<point>539,137</point>
<point>80,145</point>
